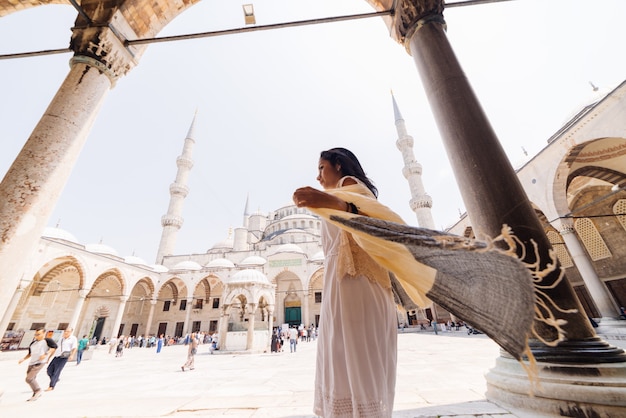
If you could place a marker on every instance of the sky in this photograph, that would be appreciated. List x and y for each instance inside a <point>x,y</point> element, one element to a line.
<point>268,102</point>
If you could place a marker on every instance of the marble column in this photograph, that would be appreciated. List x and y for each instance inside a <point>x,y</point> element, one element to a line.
<point>305,310</point>
<point>223,333</point>
<point>251,319</point>
<point>188,308</point>
<point>118,317</point>
<point>33,183</point>
<point>10,309</point>
<point>596,288</point>
<point>153,303</point>
<point>494,196</point>
<point>270,327</point>
<point>82,294</point>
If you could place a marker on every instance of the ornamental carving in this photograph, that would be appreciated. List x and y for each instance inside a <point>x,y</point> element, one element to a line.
<point>410,12</point>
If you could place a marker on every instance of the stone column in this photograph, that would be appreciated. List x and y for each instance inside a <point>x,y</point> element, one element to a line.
<point>597,290</point>
<point>36,178</point>
<point>82,294</point>
<point>305,310</point>
<point>188,308</point>
<point>223,333</point>
<point>270,327</point>
<point>494,196</point>
<point>10,309</point>
<point>251,318</point>
<point>118,317</point>
<point>153,303</point>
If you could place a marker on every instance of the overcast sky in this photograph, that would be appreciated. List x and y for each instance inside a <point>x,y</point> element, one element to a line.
<point>268,102</point>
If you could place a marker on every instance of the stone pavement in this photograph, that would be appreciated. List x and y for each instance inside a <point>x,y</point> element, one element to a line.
<point>438,376</point>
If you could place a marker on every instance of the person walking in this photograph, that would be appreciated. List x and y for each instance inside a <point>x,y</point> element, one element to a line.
<point>160,343</point>
<point>67,347</point>
<point>83,344</point>
<point>293,340</point>
<point>39,353</point>
<point>357,342</point>
<point>191,352</point>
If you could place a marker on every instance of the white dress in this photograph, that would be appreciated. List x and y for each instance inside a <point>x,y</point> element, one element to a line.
<point>357,345</point>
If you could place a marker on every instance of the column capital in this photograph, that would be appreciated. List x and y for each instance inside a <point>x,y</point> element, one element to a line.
<point>102,43</point>
<point>82,293</point>
<point>123,298</point>
<point>411,15</point>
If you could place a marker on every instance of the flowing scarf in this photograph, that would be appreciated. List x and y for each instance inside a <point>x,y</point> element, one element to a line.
<point>488,287</point>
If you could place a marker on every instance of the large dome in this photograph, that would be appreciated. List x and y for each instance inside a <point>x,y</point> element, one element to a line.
<point>187,265</point>
<point>253,260</point>
<point>289,248</point>
<point>100,249</point>
<point>58,233</point>
<point>220,263</point>
<point>131,259</point>
<point>247,277</point>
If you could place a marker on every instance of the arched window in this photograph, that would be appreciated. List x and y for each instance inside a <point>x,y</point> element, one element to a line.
<point>560,249</point>
<point>591,238</point>
<point>619,208</point>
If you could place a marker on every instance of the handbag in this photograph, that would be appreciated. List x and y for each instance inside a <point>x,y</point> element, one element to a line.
<point>65,354</point>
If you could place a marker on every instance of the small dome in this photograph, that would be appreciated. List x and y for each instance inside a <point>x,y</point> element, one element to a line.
<point>247,276</point>
<point>318,256</point>
<point>187,265</point>
<point>58,233</point>
<point>299,216</point>
<point>131,259</point>
<point>253,260</point>
<point>220,262</point>
<point>100,249</point>
<point>289,248</point>
<point>159,268</point>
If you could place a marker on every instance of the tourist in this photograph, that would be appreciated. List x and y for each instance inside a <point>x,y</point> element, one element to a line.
<point>39,353</point>
<point>67,347</point>
<point>191,351</point>
<point>83,344</point>
<point>357,341</point>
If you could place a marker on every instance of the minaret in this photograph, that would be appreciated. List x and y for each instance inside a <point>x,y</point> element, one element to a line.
<point>173,220</point>
<point>420,201</point>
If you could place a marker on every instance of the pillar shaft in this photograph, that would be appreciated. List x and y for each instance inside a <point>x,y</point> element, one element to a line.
<point>489,186</point>
<point>150,318</point>
<point>250,334</point>
<point>10,309</point>
<point>187,315</point>
<point>118,317</point>
<point>36,178</point>
<point>596,288</point>
<point>82,294</point>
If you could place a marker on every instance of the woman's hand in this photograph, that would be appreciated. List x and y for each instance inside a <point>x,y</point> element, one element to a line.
<point>313,198</point>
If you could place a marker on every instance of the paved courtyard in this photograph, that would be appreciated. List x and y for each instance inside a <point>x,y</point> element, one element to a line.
<point>438,375</point>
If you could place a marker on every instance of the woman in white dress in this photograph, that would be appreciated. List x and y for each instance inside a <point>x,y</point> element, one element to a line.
<point>357,344</point>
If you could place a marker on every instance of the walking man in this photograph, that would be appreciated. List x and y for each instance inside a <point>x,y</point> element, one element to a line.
<point>38,352</point>
<point>64,353</point>
<point>83,343</point>
<point>293,339</point>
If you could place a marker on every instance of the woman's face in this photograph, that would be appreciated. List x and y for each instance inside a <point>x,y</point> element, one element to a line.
<point>328,174</point>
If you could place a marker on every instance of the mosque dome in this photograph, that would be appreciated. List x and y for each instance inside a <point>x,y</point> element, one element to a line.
<point>228,243</point>
<point>318,256</point>
<point>220,262</point>
<point>131,259</point>
<point>187,265</point>
<point>58,233</point>
<point>101,249</point>
<point>289,248</point>
<point>298,216</point>
<point>159,268</point>
<point>247,276</point>
<point>253,260</point>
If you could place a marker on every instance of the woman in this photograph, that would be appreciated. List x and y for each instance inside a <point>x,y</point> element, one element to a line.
<point>357,344</point>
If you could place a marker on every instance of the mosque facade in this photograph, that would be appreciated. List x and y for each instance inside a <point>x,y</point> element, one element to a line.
<point>269,271</point>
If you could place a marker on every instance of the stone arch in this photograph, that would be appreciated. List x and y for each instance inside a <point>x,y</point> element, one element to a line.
<point>108,284</point>
<point>55,269</point>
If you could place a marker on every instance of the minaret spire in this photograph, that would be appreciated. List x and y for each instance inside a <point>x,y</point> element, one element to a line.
<point>173,220</point>
<point>421,203</point>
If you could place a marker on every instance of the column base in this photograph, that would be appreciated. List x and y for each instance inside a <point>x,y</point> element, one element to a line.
<point>564,390</point>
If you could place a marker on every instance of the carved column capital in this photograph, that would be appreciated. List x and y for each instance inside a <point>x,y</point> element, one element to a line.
<point>410,15</point>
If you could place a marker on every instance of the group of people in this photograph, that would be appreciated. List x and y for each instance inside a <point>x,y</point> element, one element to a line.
<point>55,354</point>
<point>291,335</point>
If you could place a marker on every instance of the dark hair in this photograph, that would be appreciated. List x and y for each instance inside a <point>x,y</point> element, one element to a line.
<point>350,165</point>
